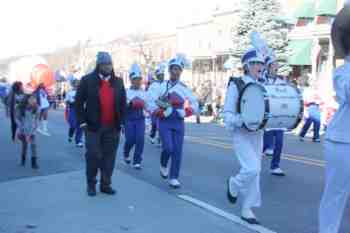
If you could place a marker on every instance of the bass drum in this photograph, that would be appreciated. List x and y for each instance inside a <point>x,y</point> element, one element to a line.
<point>270,107</point>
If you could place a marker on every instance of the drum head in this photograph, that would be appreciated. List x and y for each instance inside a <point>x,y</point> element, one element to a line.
<point>252,106</point>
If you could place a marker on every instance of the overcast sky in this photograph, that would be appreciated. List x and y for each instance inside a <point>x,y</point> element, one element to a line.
<point>42,25</point>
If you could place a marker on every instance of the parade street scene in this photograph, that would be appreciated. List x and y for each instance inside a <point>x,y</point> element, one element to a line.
<point>226,116</point>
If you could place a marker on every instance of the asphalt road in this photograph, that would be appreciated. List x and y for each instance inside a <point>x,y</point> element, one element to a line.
<point>290,204</point>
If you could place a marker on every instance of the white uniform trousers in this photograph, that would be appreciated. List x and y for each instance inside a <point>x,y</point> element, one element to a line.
<point>337,186</point>
<point>248,149</point>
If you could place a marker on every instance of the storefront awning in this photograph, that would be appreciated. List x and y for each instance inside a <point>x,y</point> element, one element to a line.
<point>300,52</point>
<point>306,9</point>
<point>327,7</point>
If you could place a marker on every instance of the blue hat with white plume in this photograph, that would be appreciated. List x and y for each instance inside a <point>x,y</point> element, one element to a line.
<point>135,72</point>
<point>160,69</point>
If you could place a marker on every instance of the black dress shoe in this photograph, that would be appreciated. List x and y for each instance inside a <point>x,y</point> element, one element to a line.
<point>91,191</point>
<point>232,199</point>
<point>108,190</point>
<point>252,221</point>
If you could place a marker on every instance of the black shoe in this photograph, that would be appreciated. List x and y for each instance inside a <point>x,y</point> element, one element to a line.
<point>252,221</point>
<point>35,163</point>
<point>232,199</point>
<point>91,191</point>
<point>70,140</point>
<point>108,190</point>
<point>127,160</point>
<point>23,160</point>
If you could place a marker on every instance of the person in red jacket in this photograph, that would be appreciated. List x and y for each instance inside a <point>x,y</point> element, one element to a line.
<point>100,105</point>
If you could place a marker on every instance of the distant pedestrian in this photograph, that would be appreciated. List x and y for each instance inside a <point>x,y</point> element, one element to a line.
<point>44,106</point>
<point>14,97</point>
<point>313,118</point>
<point>26,114</point>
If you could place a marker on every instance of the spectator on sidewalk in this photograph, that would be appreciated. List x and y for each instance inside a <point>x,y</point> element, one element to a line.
<point>100,106</point>
<point>26,113</point>
<point>14,97</point>
<point>313,118</point>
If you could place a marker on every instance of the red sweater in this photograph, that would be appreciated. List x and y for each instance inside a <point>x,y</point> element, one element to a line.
<point>107,104</point>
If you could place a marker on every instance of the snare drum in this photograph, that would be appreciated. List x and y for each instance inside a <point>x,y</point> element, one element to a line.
<point>270,107</point>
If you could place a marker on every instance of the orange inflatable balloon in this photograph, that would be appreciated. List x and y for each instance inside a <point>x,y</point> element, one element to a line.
<point>41,73</point>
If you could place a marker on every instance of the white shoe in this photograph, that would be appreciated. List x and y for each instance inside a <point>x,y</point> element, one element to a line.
<point>277,172</point>
<point>153,140</point>
<point>232,191</point>
<point>137,166</point>
<point>164,172</point>
<point>45,133</point>
<point>80,145</point>
<point>268,152</point>
<point>174,183</point>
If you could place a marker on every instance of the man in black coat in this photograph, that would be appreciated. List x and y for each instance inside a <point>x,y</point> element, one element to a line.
<point>100,105</point>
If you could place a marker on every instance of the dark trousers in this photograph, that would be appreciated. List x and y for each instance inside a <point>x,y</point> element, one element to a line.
<point>101,149</point>
<point>153,126</point>
<point>78,132</point>
<point>25,145</point>
<point>273,139</point>
<point>316,124</point>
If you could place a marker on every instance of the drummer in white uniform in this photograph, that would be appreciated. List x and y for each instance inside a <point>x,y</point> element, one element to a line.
<point>273,139</point>
<point>248,145</point>
<point>337,138</point>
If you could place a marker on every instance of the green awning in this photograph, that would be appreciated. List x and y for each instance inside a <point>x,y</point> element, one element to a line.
<point>306,9</point>
<point>327,7</point>
<point>300,52</point>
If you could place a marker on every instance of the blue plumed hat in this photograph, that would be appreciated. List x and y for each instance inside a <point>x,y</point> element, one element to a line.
<point>135,71</point>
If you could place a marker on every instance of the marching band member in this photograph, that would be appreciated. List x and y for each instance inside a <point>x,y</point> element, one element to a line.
<point>74,128</point>
<point>337,138</point>
<point>248,145</point>
<point>273,139</point>
<point>167,102</point>
<point>160,73</point>
<point>135,118</point>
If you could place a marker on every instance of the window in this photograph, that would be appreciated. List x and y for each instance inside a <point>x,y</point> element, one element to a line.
<point>323,19</point>
<point>220,32</point>
<point>302,22</point>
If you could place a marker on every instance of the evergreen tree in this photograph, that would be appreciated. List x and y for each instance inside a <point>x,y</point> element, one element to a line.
<point>262,16</point>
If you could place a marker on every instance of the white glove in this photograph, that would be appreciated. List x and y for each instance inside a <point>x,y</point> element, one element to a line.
<point>238,121</point>
<point>181,113</point>
<point>168,112</point>
<point>233,121</point>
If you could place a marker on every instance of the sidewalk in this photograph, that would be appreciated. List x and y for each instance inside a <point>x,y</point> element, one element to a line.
<point>59,204</point>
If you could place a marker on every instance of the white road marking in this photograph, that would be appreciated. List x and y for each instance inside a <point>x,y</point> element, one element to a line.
<point>224,214</point>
